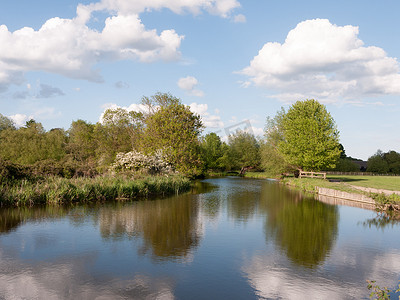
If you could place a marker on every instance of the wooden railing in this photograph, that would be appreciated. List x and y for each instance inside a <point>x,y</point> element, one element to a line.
<point>312,174</point>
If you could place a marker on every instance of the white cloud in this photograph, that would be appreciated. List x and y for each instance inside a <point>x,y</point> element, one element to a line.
<point>71,48</point>
<point>188,84</point>
<point>210,121</point>
<point>222,8</point>
<point>239,18</point>
<point>324,61</point>
<point>20,119</point>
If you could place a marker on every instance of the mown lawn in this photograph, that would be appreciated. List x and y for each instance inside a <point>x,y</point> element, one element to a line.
<point>391,183</point>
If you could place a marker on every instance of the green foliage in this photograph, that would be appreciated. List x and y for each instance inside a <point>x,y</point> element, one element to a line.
<point>384,163</point>
<point>10,171</point>
<point>57,190</point>
<point>272,160</point>
<point>310,140</point>
<point>6,123</point>
<point>377,163</point>
<point>82,144</point>
<point>214,152</point>
<point>244,150</point>
<point>393,160</point>
<point>30,144</point>
<point>174,130</point>
<point>346,165</point>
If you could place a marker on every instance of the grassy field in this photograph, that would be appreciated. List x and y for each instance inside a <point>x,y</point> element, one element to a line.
<point>343,182</point>
<point>391,183</point>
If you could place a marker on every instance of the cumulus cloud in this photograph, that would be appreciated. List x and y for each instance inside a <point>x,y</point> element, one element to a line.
<point>324,61</point>
<point>71,48</point>
<point>47,91</point>
<point>20,119</point>
<point>222,8</point>
<point>209,120</point>
<point>188,84</point>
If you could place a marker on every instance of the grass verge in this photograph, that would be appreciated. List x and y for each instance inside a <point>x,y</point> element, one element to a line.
<point>391,183</point>
<point>57,190</point>
<point>382,201</point>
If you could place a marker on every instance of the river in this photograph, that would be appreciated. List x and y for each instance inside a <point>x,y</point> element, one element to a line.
<point>235,238</point>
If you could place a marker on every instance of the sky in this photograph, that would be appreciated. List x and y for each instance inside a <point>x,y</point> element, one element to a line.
<point>234,62</point>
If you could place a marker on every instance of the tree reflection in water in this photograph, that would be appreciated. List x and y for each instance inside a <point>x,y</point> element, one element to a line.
<point>383,220</point>
<point>11,218</point>
<point>305,229</point>
<point>169,228</point>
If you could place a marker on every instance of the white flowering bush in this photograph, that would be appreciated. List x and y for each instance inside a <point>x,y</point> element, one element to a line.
<point>141,163</point>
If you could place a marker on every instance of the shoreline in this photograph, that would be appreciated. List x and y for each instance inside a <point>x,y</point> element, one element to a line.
<point>379,199</point>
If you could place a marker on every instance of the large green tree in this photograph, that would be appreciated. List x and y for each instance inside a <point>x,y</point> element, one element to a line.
<point>244,150</point>
<point>273,161</point>
<point>310,137</point>
<point>172,128</point>
<point>82,144</point>
<point>214,152</point>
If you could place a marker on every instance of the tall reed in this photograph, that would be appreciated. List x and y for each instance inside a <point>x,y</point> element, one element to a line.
<point>102,188</point>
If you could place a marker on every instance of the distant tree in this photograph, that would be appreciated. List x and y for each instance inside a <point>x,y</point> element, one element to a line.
<point>393,160</point>
<point>346,165</point>
<point>244,150</point>
<point>154,102</point>
<point>82,144</point>
<point>342,151</point>
<point>310,137</point>
<point>175,130</point>
<point>32,143</point>
<point>272,160</point>
<point>212,150</point>
<point>6,123</point>
<point>377,163</point>
<point>125,126</point>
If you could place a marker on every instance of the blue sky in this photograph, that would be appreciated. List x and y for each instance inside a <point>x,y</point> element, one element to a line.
<point>234,61</point>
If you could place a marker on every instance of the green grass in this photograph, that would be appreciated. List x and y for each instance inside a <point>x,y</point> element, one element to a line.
<point>260,175</point>
<point>56,190</point>
<point>311,184</point>
<point>391,183</point>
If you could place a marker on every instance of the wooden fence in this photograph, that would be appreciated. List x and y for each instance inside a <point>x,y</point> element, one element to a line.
<point>358,173</point>
<point>312,174</point>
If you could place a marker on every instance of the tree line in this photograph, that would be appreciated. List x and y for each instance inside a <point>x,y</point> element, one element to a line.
<point>167,137</point>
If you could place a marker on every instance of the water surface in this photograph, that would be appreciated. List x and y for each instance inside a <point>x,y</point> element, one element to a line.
<point>237,239</point>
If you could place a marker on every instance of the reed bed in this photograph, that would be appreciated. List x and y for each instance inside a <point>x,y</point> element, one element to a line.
<point>57,190</point>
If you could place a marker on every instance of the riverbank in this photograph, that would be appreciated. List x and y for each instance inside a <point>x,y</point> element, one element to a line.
<point>57,190</point>
<point>341,188</point>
